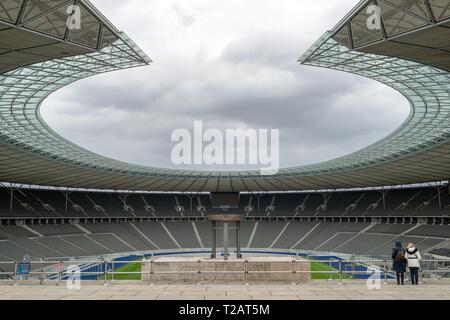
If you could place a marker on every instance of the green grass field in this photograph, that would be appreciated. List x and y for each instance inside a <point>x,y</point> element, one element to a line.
<point>131,267</point>
<point>315,266</point>
<point>319,266</point>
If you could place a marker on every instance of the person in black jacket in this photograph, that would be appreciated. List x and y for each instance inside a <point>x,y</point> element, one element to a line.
<point>399,262</point>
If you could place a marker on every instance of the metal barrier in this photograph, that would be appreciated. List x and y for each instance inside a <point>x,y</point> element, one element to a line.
<point>109,270</point>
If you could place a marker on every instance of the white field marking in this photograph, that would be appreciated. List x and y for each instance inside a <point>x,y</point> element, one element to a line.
<point>280,234</point>
<point>252,235</point>
<point>394,237</point>
<point>144,236</point>
<point>124,242</point>
<point>20,246</point>
<point>391,240</point>
<point>47,247</point>
<point>97,243</point>
<point>406,235</point>
<point>305,236</point>
<point>32,231</point>
<point>8,258</point>
<point>170,235</point>
<point>412,229</point>
<point>363,231</point>
<point>417,243</point>
<point>382,244</point>
<point>86,231</point>
<point>74,245</point>
<point>331,238</point>
<point>438,245</point>
<point>197,234</point>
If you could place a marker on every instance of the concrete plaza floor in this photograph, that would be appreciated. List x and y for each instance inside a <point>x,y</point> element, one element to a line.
<point>314,290</point>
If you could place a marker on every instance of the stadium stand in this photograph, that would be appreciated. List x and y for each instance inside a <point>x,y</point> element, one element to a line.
<point>110,238</point>
<point>402,202</point>
<point>269,221</point>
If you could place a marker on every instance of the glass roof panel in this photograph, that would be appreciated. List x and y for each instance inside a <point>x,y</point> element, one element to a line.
<point>9,10</point>
<point>53,23</point>
<point>107,37</point>
<point>342,37</point>
<point>365,15</point>
<point>416,7</point>
<point>87,19</point>
<point>87,37</point>
<point>397,21</point>
<point>362,36</point>
<point>441,9</point>
<point>366,27</point>
<point>36,7</point>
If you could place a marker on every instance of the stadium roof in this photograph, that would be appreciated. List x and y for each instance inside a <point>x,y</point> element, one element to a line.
<point>39,55</point>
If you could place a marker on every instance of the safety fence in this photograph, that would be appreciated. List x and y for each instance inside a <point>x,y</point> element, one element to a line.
<point>130,268</point>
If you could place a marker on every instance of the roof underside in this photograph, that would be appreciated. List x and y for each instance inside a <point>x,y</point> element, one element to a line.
<point>33,31</point>
<point>414,30</point>
<point>50,57</point>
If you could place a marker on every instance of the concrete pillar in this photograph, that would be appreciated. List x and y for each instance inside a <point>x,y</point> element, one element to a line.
<point>214,243</point>
<point>225,241</point>
<point>238,240</point>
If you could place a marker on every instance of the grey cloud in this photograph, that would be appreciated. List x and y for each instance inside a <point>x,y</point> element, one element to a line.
<point>254,81</point>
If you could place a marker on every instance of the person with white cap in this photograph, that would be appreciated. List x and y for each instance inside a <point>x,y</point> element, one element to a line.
<point>413,258</point>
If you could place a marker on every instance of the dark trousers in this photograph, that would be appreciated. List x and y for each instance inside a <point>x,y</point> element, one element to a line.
<point>400,277</point>
<point>414,275</point>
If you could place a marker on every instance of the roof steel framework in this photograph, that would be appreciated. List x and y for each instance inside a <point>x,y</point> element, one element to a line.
<point>50,57</point>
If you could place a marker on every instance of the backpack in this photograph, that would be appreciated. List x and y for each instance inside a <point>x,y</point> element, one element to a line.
<point>400,257</point>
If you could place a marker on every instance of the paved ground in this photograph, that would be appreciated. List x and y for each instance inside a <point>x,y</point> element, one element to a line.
<point>354,290</point>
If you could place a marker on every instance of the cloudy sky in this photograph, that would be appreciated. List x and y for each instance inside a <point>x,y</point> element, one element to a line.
<point>231,64</point>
